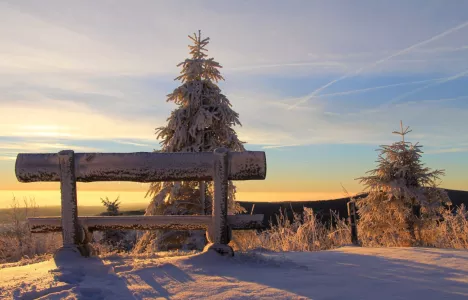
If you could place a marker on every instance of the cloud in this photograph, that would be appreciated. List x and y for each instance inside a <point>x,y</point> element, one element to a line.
<point>133,38</point>
<point>69,120</point>
<point>377,88</point>
<point>443,49</point>
<point>273,127</point>
<point>380,61</point>
<point>10,149</point>
<point>414,46</point>
<point>448,150</point>
<point>133,144</point>
<point>304,99</point>
<point>35,147</point>
<point>94,71</point>
<point>7,157</point>
<point>280,146</point>
<point>338,66</point>
<point>440,81</point>
<point>440,100</point>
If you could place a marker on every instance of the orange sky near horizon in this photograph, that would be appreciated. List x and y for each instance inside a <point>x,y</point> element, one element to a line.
<point>46,198</point>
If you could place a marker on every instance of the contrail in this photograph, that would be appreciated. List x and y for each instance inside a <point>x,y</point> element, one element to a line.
<point>299,64</point>
<point>406,50</point>
<point>441,81</point>
<point>314,93</point>
<point>379,87</point>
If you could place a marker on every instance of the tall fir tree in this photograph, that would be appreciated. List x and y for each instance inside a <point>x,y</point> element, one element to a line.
<point>402,195</point>
<point>202,122</point>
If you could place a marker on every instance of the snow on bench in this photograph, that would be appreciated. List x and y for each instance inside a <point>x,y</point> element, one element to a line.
<point>68,168</point>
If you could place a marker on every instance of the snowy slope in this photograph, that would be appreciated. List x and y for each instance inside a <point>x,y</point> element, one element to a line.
<point>345,273</point>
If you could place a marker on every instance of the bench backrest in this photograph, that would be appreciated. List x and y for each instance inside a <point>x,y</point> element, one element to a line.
<point>69,167</point>
<point>140,166</point>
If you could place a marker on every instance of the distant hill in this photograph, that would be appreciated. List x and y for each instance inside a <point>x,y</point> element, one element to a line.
<point>51,211</point>
<point>268,209</point>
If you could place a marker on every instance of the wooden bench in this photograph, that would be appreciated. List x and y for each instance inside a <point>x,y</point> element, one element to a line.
<point>69,167</point>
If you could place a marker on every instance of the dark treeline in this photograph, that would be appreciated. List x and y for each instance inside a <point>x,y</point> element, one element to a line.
<point>270,210</point>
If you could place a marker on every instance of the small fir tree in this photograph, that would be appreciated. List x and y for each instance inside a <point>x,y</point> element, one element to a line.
<point>114,238</point>
<point>402,194</point>
<point>112,207</point>
<point>202,122</point>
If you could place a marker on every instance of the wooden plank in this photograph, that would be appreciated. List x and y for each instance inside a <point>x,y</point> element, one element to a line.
<point>94,223</point>
<point>140,166</point>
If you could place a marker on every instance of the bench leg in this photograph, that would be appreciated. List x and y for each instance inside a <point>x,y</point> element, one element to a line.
<point>71,232</point>
<point>218,234</point>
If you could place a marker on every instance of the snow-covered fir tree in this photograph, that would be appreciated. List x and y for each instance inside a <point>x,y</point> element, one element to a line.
<point>202,122</point>
<point>403,194</point>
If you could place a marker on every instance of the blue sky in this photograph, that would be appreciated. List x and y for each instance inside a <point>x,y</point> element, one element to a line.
<point>318,84</point>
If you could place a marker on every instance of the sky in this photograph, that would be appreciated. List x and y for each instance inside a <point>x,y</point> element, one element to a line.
<point>318,86</point>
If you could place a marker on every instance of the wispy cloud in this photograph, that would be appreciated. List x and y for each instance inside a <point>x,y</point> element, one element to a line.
<point>70,78</point>
<point>357,91</point>
<point>133,144</point>
<point>437,82</point>
<point>71,121</point>
<point>9,151</point>
<point>271,126</point>
<point>412,47</point>
<point>440,100</point>
<point>443,49</point>
<point>380,61</point>
<point>333,64</point>
<point>280,146</point>
<point>449,150</point>
<point>7,157</point>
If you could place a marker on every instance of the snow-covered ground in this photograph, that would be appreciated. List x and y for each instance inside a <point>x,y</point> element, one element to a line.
<point>345,273</point>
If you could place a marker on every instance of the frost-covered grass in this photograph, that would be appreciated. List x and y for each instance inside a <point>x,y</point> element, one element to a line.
<point>305,233</point>
<point>16,241</point>
<point>309,234</point>
<point>14,248</point>
<point>450,231</point>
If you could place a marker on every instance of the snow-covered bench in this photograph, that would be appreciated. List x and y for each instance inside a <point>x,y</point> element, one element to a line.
<point>69,167</point>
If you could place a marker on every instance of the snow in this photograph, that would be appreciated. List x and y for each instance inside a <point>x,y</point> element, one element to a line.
<point>345,273</point>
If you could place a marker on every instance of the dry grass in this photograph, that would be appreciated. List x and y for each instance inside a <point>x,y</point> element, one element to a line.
<point>18,246</point>
<point>308,234</point>
<point>451,233</point>
<point>302,234</point>
<point>16,241</point>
